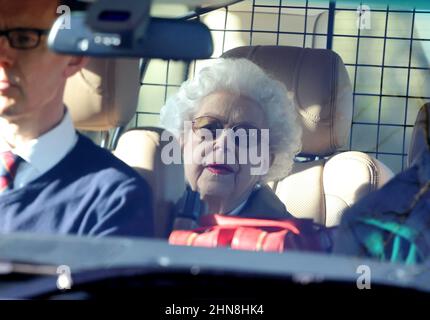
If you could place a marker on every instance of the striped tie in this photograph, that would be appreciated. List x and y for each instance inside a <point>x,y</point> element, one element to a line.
<point>8,166</point>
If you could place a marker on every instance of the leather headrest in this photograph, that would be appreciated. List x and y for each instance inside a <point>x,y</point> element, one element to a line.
<point>104,94</point>
<point>142,148</point>
<point>318,83</point>
<point>419,134</point>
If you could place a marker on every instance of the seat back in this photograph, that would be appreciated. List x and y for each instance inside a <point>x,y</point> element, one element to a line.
<point>104,96</point>
<point>318,83</point>
<point>142,148</point>
<point>323,189</point>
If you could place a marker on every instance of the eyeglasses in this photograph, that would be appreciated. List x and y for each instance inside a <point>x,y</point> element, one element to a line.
<point>215,127</point>
<point>23,38</point>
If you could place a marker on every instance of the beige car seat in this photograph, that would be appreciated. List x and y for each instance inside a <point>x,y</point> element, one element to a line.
<point>104,96</point>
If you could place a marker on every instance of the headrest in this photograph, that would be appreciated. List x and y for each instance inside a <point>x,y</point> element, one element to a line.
<point>104,94</point>
<point>142,148</point>
<point>419,134</point>
<point>318,83</point>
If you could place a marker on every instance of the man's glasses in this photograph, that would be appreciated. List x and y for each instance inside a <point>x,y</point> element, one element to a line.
<point>23,38</point>
<point>213,126</point>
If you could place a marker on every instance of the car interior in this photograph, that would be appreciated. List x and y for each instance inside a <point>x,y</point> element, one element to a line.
<point>335,174</point>
<point>317,81</point>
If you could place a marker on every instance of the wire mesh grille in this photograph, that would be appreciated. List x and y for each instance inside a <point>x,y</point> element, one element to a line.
<point>385,51</point>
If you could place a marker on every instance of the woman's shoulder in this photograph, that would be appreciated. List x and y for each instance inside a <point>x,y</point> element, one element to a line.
<point>263,203</point>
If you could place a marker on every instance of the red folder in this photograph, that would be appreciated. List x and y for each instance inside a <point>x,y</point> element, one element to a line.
<point>254,234</point>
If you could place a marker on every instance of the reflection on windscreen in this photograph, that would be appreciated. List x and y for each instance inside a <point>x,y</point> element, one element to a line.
<point>306,131</point>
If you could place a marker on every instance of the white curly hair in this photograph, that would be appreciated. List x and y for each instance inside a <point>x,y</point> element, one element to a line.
<point>245,78</point>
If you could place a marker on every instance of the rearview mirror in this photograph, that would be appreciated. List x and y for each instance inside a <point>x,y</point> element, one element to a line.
<point>158,38</point>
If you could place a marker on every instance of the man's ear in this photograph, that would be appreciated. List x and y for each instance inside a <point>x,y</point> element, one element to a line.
<point>75,64</point>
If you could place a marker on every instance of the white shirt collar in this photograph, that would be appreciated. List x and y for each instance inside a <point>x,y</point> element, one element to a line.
<point>44,152</point>
<point>239,208</point>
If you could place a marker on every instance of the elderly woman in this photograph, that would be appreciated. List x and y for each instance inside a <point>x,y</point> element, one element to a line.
<point>238,130</point>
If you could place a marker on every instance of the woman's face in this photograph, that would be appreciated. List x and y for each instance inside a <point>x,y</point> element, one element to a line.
<point>212,166</point>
